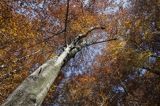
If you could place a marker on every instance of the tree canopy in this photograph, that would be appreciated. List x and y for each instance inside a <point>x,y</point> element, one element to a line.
<point>125,71</point>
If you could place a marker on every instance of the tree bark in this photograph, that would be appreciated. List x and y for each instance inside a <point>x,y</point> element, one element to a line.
<point>34,88</point>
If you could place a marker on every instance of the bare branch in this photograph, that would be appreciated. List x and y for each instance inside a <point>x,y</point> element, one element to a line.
<point>66,17</point>
<point>66,21</point>
<point>107,40</point>
<point>152,70</point>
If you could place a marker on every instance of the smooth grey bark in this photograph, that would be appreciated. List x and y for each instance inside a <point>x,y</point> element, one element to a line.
<point>34,88</point>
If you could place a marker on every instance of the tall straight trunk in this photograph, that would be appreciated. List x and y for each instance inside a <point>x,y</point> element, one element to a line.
<point>34,88</point>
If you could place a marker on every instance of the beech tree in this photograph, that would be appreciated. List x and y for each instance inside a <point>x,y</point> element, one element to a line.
<point>119,78</point>
<point>39,37</point>
<point>44,27</point>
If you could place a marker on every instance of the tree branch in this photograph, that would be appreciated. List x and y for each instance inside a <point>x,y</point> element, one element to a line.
<point>152,70</point>
<point>66,17</point>
<point>66,21</point>
<point>81,36</point>
<point>54,34</point>
<point>93,43</point>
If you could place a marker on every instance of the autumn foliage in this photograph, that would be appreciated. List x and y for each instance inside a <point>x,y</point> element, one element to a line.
<point>32,31</point>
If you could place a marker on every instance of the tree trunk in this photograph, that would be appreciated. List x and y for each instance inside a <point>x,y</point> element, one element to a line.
<point>34,88</point>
